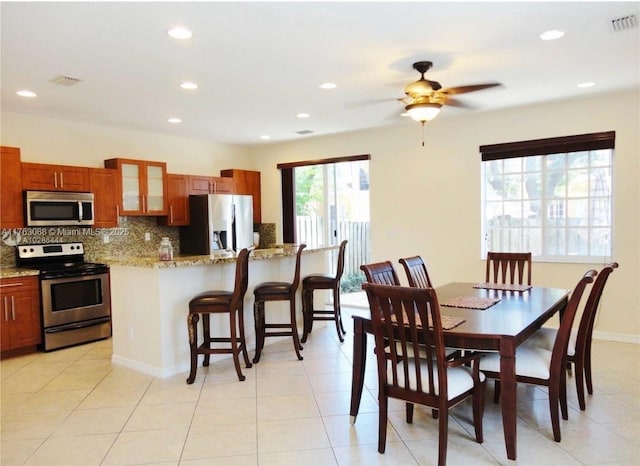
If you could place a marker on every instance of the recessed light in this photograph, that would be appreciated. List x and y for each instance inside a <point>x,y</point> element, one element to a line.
<point>328,86</point>
<point>179,33</point>
<point>265,137</point>
<point>188,85</point>
<point>585,85</point>
<point>26,93</point>
<point>552,34</point>
<point>174,120</point>
<point>302,115</point>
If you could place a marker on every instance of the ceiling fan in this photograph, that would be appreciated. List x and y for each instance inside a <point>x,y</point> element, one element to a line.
<point>425,98</point>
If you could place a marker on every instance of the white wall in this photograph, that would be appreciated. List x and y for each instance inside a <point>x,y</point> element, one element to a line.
<point>46,140</point>
<point>438,187</point>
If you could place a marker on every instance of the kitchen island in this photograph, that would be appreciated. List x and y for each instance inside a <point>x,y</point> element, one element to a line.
<point>150,301</point>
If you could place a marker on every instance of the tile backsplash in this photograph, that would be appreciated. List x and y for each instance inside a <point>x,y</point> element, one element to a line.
<point>128,239</point>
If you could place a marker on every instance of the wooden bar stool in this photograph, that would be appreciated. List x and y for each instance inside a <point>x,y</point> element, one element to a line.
<point>220,302</point>
<point>277,291</point>
<point>323,282</point>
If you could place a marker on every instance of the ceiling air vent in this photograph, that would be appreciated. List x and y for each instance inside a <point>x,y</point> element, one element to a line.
<point>624,22</point>
<point>304,131</point>
<point>65,80</point>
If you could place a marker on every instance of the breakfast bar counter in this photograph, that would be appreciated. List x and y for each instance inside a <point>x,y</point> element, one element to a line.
<point>150,301</point>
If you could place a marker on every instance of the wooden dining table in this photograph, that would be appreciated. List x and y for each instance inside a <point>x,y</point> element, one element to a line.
<point>501,327</point>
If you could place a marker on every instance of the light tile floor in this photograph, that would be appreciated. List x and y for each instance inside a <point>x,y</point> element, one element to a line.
<point>74,407</point>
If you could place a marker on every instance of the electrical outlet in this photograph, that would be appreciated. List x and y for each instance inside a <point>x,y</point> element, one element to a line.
<point>105,239</point>
<point>147,236</point>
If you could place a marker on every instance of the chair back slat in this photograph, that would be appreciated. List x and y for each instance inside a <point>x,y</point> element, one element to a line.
<point>512,268</point>
<point>241,279</point>
<point>341,253</point>
<point>416,271</point>
<point>381,273</point>
<point>585,330</point>
<point>559,352</point>
<point>296,276</point>
<point>406,322</point>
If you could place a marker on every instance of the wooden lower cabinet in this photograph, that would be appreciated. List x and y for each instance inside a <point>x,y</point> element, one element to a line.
<point>20,312</point>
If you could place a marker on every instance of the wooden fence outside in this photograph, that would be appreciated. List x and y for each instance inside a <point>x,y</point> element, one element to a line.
<point>310,230</point>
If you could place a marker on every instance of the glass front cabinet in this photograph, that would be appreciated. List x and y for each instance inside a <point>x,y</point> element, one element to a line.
<point>142,186</point>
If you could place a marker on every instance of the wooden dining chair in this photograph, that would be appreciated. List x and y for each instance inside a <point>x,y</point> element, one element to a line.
<point>416,271</point>
<point>579,348</point>
<point>399,316</point>
<point>538,366</point>
<point>512,268</point>
<point>381,273</point>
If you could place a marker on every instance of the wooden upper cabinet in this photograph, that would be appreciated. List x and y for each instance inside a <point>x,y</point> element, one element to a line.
<point>247,182</point>
<point>11,203</point>
<point>46,177</point>
<point>210,185</point>
<point>103,183</point>
<point>178,201</point>
<point>142,186</point>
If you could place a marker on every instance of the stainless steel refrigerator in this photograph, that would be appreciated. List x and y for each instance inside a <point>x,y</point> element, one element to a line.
<point>217,222</point>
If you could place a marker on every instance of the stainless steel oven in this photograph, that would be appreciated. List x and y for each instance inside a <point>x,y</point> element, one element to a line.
<point>75,295</point>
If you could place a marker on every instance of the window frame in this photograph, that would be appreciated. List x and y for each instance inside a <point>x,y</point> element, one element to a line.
<point>544,147</point>
<point>289,234</point>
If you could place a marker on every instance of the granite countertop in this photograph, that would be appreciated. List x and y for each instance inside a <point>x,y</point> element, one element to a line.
<point>13,272</point>
<point>219,258</point>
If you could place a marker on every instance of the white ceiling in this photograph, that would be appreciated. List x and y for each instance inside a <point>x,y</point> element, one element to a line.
<point>259,64</point>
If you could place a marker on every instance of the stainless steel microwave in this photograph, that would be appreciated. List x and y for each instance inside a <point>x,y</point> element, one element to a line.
<point>51,208</point>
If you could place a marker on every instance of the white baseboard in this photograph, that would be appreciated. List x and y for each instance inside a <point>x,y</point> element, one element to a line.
<point>147,369</point>
<point>619,337</point>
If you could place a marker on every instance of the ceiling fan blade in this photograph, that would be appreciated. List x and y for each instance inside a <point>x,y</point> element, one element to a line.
<point>469,88</point>
<point>457,103</point>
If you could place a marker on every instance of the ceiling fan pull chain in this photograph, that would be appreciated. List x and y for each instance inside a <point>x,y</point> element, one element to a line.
<point>423,134</point>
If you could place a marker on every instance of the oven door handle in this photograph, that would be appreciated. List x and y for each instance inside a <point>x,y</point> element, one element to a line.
<point>77,325</point>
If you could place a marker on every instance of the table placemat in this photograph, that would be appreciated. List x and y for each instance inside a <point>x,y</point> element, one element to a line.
<point>448,322</point>
<point>502,286</point>
<point>470,302</point>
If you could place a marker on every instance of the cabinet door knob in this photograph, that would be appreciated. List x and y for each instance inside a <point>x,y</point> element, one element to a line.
<point>61,180</point>
<point>13,307</point>
<point>6,310</point>
<point>55,180</point>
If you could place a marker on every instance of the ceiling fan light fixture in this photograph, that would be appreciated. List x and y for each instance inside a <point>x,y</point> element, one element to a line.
<point>422,112</point>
